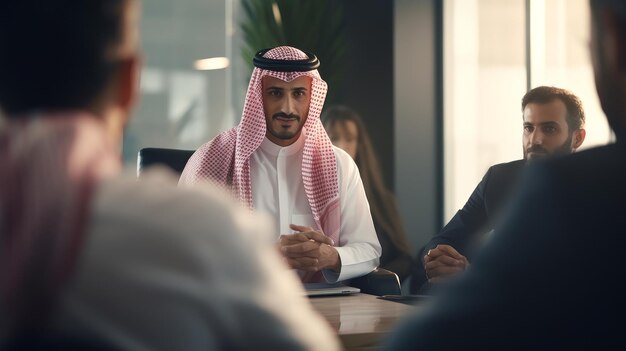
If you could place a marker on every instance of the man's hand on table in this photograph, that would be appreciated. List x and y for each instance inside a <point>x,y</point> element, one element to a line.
<point>442,262</point>
<point>309,250</point>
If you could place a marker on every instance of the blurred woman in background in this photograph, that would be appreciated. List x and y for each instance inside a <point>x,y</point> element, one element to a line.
<point>347,131</point>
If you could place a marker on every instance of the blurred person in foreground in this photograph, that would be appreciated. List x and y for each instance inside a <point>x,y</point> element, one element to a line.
<point>551,277</point>
<point>347,131</point>
<point>553,125</point>
<point>280,161</point>
<point>93,257</point>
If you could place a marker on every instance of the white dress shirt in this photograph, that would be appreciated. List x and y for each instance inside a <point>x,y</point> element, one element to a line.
<point>277,189</point>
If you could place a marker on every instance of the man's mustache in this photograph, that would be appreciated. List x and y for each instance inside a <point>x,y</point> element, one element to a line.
<point>286,116</point>
<point>536,149</point>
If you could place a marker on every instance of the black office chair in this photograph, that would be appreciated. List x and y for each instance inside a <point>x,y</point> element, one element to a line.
<point>379,282</point>
<point>172,158</point>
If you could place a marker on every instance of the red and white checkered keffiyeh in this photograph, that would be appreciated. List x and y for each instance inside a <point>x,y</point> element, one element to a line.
<point>50,167</point>
<point>226,159</point>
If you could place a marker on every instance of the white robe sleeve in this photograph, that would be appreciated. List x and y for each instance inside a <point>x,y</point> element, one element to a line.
<point>358,247</point>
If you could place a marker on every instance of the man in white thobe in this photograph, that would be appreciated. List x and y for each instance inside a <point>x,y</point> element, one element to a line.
<point>279,160</point>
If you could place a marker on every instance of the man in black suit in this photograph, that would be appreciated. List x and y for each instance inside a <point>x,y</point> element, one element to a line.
<point>553,121</point>
<point>552,275</point>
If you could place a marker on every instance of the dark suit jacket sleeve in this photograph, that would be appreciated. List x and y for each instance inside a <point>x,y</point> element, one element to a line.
<point>466,223</point>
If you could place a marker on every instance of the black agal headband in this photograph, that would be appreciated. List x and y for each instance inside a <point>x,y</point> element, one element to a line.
<point>305,65</point>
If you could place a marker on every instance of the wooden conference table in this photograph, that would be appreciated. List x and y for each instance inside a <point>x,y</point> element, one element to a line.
<point>362,321</point>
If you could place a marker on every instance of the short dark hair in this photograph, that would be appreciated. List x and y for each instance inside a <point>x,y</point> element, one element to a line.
<point>546,94</point>
<point>53,54</point>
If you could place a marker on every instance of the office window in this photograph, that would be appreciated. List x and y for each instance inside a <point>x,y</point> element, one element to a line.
<point>486,73</point>
<point>560,56</point>
<point>182,106</point>
<point>484,80</point>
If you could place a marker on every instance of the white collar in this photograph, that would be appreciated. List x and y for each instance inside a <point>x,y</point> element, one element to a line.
<point>275,150</point>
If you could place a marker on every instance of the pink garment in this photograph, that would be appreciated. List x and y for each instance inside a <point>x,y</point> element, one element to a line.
<point>226,159</point>
<point>50,166</point>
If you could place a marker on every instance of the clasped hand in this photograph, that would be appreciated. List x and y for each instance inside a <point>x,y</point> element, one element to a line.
<point>442,262</point>
<point>308,250</point>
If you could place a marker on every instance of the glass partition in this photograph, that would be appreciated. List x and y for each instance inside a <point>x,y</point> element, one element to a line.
<point>184,101</point>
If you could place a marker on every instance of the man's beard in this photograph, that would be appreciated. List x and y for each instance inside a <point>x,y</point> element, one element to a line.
<point>564,149</point>
<point>285,134</point>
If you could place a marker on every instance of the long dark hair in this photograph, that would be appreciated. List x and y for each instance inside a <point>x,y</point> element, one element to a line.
<point>383,205</point>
